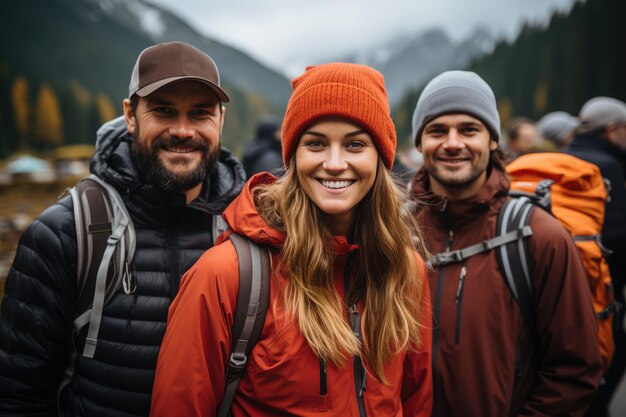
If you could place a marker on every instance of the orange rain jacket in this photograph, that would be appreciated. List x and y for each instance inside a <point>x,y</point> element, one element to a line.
<point>283,374</point>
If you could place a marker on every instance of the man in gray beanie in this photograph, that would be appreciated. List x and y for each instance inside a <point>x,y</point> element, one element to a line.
<point>489,357</point>
<point>601,140</point>
<point>556,129</point>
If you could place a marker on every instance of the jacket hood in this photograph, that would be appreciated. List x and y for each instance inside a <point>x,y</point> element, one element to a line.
<point>112,162</point>
<point>244,219</point>
<point>491,196</point>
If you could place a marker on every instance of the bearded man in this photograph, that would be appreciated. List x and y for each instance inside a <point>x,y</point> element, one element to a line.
<point>165,160</point>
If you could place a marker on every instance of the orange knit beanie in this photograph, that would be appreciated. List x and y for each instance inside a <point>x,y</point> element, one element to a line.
<point>356,92</point>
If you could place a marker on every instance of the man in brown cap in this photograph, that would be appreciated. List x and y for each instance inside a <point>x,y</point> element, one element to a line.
<point>164,159</point>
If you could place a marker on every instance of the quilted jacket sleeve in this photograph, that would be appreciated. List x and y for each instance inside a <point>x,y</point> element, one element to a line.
<point>36,314</point>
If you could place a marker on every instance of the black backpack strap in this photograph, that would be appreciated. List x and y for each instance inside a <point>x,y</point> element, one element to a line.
<point>513,257</point>
<point>460,255</point>
<point>252,303</point>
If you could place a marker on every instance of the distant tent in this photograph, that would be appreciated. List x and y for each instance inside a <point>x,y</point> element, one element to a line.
<point>29,168</point>
<point>27,164</point>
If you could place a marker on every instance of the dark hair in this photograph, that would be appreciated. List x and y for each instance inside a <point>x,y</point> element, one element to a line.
<point>513,126</point>
<point>134,102</point>
<point>498,159</point>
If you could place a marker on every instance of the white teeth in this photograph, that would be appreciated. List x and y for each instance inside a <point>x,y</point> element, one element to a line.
<point>180,150</point>
<point>336,184</point>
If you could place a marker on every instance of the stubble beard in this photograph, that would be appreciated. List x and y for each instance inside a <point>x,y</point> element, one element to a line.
<point>452,179</point>
<point>149,164</point>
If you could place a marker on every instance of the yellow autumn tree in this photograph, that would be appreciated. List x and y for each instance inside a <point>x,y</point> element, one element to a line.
<point>106,110</point>
<point>48,118</point>
<point>540,99</point>
<point>21,107</point>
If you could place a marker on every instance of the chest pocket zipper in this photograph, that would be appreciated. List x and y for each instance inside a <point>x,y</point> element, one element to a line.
<point>459,303</point>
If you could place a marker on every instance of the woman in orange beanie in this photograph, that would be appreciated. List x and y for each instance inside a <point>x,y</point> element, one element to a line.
<point>348,328</point>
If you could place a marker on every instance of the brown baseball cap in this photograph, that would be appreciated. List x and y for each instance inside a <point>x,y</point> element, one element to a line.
<point>169,62</point>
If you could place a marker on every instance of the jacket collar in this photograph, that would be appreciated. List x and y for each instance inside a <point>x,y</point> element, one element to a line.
<point>491,196</point>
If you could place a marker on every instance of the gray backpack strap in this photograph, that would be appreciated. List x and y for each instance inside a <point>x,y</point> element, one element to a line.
<point>513,257</point>
<point>219,226</point>
<point>106,240</point>
<point>252,304</point>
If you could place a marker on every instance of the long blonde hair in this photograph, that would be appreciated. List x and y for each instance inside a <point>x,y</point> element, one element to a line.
<point>388,281</point>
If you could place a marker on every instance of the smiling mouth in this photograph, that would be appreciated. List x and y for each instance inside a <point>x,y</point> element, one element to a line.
<point>180,149</point>
<point>454,161</point>
<point>335,185</point>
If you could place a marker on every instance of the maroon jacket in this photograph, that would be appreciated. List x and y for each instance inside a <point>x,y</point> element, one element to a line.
<point>486,360</point>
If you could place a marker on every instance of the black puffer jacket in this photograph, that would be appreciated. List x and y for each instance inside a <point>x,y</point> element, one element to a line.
<point>39,304</point>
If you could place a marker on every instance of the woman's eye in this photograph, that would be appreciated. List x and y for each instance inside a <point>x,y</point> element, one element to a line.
<point>355,145</point>
<point>314,144</point>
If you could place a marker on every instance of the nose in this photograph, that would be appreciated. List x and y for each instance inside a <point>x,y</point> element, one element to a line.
<point>335,160</point>
<point>181,127</point>
<point>453,141</point>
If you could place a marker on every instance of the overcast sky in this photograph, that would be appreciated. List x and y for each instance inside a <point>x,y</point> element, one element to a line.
<point>287,35</point>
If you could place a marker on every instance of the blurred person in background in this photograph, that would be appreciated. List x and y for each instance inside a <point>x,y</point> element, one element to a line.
<point>264,152</point>
<point>556,131</point>
<point>601,140</point>
<point>521,136</point>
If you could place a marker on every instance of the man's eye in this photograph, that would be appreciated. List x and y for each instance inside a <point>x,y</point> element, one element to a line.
<point>437,132</point>
<point>164,110</point>
<point>200,113</point>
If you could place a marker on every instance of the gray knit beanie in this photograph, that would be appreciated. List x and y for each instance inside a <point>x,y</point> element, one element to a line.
<point>599,112</point>
<point>556,125</point>
<point>457,92</point>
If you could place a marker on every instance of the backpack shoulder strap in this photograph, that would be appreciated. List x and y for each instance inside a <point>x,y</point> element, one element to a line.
<point>93,217</point>
<point>105,238</point>
<point>252,305</point>
<point>513,257</point>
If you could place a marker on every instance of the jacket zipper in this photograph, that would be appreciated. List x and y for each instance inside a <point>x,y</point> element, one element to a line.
<point>355,320</point>
<point>359,369</point>
<point>323,378</point>
<point>436,313</point>
<point>459,303</point>
<point>175,273</point>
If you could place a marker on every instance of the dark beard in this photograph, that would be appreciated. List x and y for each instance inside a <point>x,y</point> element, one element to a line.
<point>146,159</point>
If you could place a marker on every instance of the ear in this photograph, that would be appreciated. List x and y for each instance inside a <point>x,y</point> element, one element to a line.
<point>222,114</point>
<point>419,146</point>
<point>493,145</point>
<point>129,116</point>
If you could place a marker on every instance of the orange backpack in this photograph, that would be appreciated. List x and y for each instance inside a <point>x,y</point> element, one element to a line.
<point>577,196</point>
